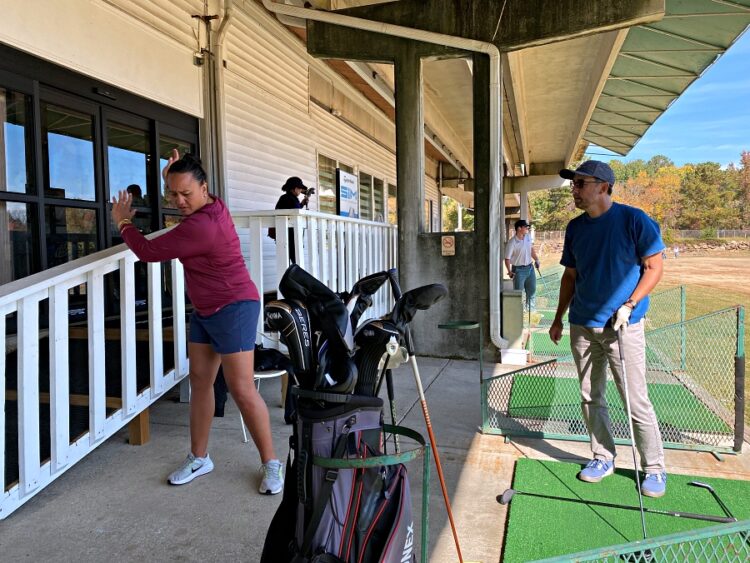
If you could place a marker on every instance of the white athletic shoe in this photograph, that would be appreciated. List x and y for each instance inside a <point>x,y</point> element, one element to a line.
<point>273,477</point>
<point>191,468</point>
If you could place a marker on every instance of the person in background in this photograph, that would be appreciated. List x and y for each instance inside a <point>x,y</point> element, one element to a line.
<point>226,308</point>
<point>613,259</point>
<point>519,254</point>
<point>292,189</point>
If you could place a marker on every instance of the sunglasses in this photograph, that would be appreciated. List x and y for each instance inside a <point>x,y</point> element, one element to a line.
<point>579,184</point>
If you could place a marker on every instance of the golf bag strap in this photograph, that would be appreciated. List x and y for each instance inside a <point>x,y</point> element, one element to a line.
<point>324,494</point>
<point>321,396</point>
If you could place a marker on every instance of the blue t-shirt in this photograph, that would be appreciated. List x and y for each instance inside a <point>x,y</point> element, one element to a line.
<point>606,253</point>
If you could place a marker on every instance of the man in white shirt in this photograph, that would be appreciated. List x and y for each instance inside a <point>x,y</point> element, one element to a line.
<point>520,259</point>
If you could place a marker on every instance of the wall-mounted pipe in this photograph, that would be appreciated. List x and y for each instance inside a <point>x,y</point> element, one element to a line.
<point>495,195</point>
<point>216,101</point>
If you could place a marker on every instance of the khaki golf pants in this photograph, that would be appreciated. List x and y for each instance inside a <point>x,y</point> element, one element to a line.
<point>594,348</point>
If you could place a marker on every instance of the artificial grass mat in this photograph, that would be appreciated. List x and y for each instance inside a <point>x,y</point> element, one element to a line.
<point>540,343</point>
<point>539,528</point>
<point>557,398</point>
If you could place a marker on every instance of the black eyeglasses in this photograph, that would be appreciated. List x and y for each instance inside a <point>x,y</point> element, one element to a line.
<point>578,184</point>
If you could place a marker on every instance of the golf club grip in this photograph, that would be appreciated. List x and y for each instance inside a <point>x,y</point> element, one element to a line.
<point>707,517</point>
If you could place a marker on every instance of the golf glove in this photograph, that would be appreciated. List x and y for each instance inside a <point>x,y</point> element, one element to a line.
<point>622,317</point>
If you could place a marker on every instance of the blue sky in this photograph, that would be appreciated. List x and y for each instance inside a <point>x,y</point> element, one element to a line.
<point>709,122</point>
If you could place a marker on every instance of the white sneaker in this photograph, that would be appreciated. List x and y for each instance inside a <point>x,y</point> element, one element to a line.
<point>273,477</point>
<point>191,468</point>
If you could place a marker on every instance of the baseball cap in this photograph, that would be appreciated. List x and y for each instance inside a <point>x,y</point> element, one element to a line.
<point>521,223</point>
<point>594,168</point>
<point>292,183</point>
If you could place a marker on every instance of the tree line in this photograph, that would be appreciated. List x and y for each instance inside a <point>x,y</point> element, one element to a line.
<point>701,196</point>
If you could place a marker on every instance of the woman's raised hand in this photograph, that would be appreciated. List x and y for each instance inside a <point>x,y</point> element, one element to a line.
<point>174,158</point>
<point>121,207</point>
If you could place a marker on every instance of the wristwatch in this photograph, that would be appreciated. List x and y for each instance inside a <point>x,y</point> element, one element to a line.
<point>631,303</point>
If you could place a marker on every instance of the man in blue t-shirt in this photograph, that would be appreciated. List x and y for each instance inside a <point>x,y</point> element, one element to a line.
<point>613,259</point>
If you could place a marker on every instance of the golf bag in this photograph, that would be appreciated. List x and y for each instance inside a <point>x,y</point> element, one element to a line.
<point>343,514</point>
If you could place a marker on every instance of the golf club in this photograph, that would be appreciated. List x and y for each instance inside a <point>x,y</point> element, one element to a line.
<point>630,425</point>
<point>406,306</point>
<point>710,489</point>
<point>508,495</point>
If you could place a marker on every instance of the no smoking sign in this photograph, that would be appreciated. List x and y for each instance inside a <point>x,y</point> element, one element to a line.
<point>448,245</point>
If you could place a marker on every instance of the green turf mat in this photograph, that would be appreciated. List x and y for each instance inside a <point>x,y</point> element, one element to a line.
<point>556,398</point>
<point>539,528</point>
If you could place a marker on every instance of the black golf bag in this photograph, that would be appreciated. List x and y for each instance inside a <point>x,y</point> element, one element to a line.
<point>340,513</point>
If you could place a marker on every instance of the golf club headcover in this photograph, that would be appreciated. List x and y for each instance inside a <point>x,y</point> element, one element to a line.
<point>336,371</point>
<point>418,299</point>
<point>326,309</point>
<point>291,320</point>
<point>372,340</point>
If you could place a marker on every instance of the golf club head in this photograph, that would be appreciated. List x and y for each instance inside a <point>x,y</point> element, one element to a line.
<point>371,340</point>
<point>701,484</point>
<point>506,497</point>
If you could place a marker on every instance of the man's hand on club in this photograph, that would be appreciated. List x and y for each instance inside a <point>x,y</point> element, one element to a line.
<point>537,264</point>
<point>622,317</point>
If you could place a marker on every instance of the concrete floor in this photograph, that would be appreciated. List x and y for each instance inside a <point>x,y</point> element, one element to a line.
<point>116,504</point>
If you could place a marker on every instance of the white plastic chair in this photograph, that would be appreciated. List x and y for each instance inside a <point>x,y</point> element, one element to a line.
<point>260,376</point>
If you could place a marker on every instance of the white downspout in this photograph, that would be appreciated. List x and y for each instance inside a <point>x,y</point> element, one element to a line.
<point>473,45</point>
<point>218,101</point>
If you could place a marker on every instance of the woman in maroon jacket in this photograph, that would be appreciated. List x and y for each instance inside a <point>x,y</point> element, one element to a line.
<point>226,308</point>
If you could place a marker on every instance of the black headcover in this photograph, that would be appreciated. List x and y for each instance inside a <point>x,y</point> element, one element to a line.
<point>418,299</point>
<point>290,318</point>
<point>360,298</point>
<point>327,308</point>
<point>372,340</point>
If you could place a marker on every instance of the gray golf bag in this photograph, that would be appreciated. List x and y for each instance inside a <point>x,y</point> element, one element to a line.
<point>343,514</point>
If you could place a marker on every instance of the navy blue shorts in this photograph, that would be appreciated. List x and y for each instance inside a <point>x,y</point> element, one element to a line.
<point>230,329</point>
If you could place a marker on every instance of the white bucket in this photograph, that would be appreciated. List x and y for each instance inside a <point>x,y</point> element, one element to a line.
<point>515,356</point>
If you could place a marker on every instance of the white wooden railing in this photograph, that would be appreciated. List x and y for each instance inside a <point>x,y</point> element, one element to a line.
<point>336,250</point>
<point>24,298</point>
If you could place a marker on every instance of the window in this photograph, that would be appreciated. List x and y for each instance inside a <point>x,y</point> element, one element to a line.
<point>326,184</point>
<point>392,205</point>
<point>365,196</point>
<point>378,198</point>
<point>18,240</point>
<point>15,143</point>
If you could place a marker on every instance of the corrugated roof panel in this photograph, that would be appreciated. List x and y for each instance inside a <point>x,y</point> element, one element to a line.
<point>657,62</point>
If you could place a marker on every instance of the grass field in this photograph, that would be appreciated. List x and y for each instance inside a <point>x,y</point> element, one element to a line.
<point>714,280</point>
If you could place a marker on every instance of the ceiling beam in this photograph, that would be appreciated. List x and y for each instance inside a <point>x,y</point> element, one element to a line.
<point>597,73</point>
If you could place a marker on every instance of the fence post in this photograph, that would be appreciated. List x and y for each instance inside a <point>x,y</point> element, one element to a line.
<point>683,330</point>
<point>739,382</point>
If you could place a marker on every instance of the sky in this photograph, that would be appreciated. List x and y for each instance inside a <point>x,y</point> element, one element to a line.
<point>709,122</point>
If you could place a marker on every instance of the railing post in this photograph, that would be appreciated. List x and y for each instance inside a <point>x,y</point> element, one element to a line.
<point>179,338</point>
<point>312,246</point>
<point>59,377</point>
<point>155,336</point>
<point>97,354</point>
<point>299,248</point>
<point>683,329</point>
<point>739,382</point>
<point>28,394</point>
<point>4,311</point>
<point>255,244</point>
<point>128,339</point>
<point>282,247</point>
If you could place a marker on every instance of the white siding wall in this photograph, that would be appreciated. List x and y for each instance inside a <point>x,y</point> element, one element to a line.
<point>142,46</point>
<point>431,193</point>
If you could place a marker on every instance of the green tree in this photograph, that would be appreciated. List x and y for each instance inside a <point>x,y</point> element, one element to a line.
<point>551,210</point>
<point>708,198</point>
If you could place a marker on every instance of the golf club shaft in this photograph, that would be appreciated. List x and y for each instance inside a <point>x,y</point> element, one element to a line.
<point>692,516</point>
<point>630,425</point>
<point>392,401</point>
<point>436,455</point>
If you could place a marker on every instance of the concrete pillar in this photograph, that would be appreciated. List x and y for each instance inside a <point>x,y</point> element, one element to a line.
<point>409,161</point>
<point>524,204</point>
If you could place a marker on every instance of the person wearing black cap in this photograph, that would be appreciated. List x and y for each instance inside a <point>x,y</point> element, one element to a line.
<point>613,259</point>
<point>519,253</point>
<point>292,189</point>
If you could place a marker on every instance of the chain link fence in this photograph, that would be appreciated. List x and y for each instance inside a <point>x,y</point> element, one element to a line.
<point>695,379</point>
<point>723,543</point>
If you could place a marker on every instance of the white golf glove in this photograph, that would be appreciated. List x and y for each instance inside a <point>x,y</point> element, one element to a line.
<point>622,317</point>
